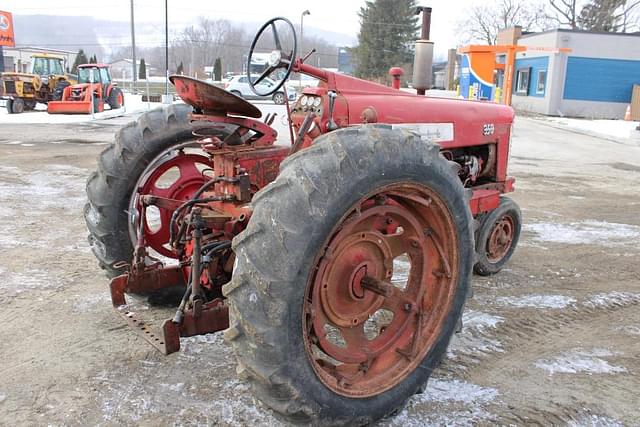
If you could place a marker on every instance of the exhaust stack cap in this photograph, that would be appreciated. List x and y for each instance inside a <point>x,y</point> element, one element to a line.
<point>422,65</point>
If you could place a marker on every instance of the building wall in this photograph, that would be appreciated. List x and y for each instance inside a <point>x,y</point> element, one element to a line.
<point>545,103</point>
<point>594,80</point>
<point>597,79</point>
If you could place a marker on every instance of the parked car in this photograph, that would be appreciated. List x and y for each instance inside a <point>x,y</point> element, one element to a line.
<point>239,85</point>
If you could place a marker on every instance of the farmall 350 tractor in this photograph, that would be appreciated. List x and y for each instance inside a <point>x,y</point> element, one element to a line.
<point>337,264</point>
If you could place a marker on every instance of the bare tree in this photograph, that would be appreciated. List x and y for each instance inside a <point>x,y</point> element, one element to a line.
<point>624,16</point>
<point>486,21</point>
<point>629,16</point>
<point>565,12</point>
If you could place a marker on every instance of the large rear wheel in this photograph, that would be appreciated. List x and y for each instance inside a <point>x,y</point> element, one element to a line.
<point>350,277</point>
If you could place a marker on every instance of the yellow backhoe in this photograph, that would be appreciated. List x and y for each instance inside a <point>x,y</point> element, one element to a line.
<point>45,82</point>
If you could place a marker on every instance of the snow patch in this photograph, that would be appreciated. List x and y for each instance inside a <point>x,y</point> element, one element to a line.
<point>90,303</point>
<point>537,301</point>
<point>3,397</point>
<point>610,299</point>
<point>577,360</point>
<point>591,420</point>
<point>166,391</point>
<point>479,320</point>
<point>446,402</point>
<point>630,329</point>
<point>28,280</point>
<point>614,128</point>
<point>475,335</point>
<point>585,233</point>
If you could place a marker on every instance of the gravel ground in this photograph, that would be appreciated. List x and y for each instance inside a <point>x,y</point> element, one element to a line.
<point>553,339</point>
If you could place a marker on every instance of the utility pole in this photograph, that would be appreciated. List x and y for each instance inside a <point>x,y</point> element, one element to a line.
<point>166,46</point>
<point>133,47</point>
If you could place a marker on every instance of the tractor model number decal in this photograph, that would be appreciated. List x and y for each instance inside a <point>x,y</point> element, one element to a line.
<point>435,132</point>
<point>488,129</point>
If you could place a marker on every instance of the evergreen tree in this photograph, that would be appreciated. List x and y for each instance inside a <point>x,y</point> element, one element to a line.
<point>217,70</point>
<point>180,69</point>
<point>142,71</point>
<point>600,15</point>
<point>387,31</point>
<point>81,58</point>
<point>93,59</point>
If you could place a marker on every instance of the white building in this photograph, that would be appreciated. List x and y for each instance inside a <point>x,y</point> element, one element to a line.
<point>18,59</point>
<point>121,69</point>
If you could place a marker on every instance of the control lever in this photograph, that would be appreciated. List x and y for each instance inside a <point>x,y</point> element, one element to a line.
<point>332,125</point>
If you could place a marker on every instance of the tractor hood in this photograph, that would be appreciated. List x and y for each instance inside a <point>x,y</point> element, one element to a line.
<point>25,77</point>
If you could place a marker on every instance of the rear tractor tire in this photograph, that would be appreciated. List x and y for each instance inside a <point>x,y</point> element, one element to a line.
<point>351,277</point>
<point>497,237</point>
<point>138,147</point>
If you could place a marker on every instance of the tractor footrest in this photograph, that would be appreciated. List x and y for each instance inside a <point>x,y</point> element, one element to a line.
<point>213,317</point>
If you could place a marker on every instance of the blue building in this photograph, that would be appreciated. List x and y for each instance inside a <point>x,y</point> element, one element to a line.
<point>594,80</point>
<point>345,64</point>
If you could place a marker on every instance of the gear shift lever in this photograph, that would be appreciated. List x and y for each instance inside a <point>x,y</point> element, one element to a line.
<point>332,125</point>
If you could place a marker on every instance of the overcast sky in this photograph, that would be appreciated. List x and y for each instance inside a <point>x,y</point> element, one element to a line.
<point>332,15</point>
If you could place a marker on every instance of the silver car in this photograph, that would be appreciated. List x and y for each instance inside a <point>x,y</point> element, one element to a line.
<point>239,85</point>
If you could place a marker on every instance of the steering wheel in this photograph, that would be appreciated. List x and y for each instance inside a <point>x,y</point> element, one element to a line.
<point>278,58</point>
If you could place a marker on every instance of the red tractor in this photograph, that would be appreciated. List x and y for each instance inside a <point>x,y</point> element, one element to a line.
<point>94,89</point>
<point>337,264</point>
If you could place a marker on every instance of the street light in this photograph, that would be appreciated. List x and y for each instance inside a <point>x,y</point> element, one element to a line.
<point>306,12</point>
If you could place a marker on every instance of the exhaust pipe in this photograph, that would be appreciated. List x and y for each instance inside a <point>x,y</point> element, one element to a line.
<point>423,60</point>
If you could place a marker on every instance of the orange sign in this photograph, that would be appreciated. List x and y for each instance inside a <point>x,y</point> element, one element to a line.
<point>6,30</point>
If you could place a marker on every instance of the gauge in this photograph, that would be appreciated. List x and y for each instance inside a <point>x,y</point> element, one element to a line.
<point>317,101</point>
<point>303,100</point>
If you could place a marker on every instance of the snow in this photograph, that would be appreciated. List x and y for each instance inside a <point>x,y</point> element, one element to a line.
<point>630,329</point>
<point>610,299</point>
<point>536,301</point>
<point>460,404</point>
<point>577,360</point>
<point>614,128</point>
<point>585,233</point>
<point>592,420</point>
<point>475,335</point>
<point>479,320</point>
<point>133,104</point>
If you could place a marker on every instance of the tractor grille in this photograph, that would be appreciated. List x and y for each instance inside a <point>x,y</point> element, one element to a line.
<point>10,87</point>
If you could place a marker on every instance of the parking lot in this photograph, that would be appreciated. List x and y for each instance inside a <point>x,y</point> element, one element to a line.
<point>552,339</point>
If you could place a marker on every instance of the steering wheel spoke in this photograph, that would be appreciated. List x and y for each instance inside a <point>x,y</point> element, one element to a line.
<point>283,60</point>
<point>264,74</point>
<point>276,38</point>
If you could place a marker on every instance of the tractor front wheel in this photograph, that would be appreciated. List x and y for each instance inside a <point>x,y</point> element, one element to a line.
<point>497,237</point>
<point>145,159</point>
<point>351,277</point>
